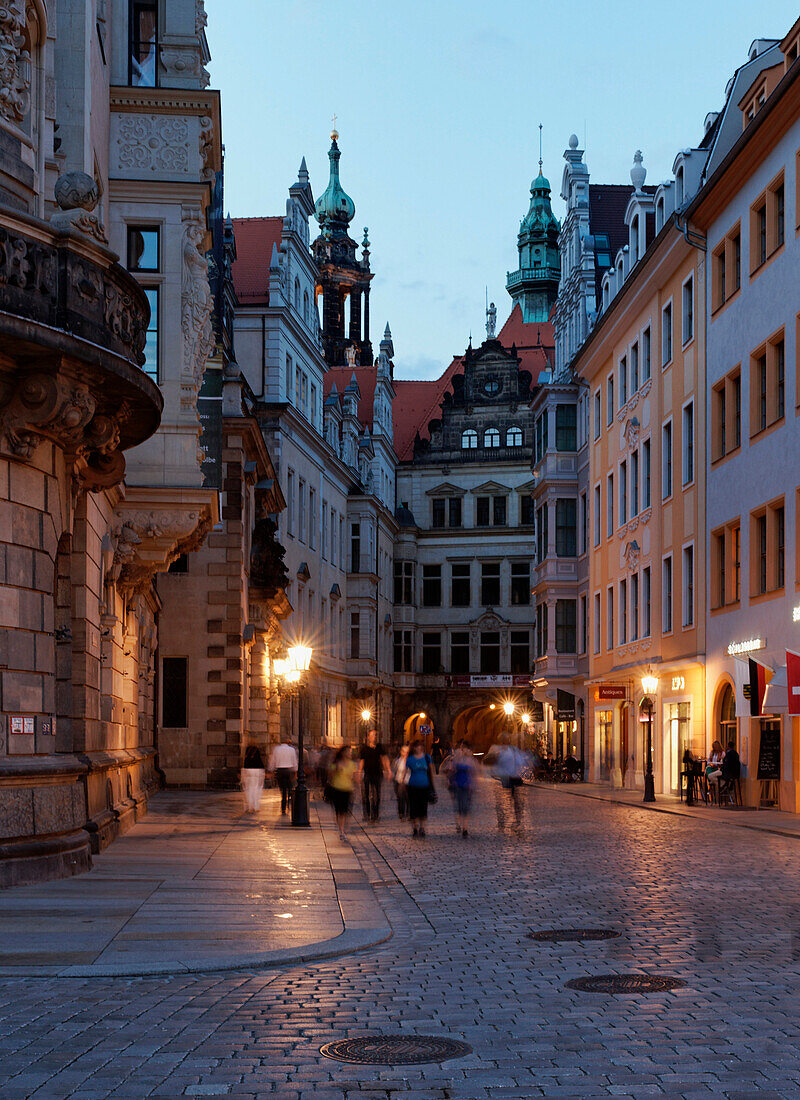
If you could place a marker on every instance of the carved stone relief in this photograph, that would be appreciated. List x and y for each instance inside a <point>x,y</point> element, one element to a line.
<point>196,306</point>
<point>157,143</point>
<point>14,61</point>
<point>632,555</point>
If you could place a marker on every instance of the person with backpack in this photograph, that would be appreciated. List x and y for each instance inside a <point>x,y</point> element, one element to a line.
<point>421,789</point>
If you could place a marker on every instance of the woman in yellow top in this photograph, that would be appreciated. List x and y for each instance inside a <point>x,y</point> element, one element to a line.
<point>341,781</point>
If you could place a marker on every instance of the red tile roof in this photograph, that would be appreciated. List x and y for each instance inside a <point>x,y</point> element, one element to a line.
<point>254,240</point>
<point>418,402</point>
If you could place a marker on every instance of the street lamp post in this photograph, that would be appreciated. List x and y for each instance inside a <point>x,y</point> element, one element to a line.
<point>299,663</point>
<point>649,686</point>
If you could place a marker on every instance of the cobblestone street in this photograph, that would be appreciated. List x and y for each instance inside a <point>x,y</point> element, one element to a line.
<point>707,903</point>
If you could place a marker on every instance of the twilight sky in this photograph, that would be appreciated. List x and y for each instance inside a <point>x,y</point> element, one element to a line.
<point>438,104</point>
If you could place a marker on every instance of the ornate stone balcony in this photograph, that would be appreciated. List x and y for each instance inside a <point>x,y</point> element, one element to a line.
<point>72,331</point>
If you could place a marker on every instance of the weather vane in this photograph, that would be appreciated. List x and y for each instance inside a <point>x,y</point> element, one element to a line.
<point>334,132</point>
<point>540,147</point>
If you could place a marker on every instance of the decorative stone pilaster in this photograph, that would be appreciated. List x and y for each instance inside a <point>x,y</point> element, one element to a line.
<point>196,306</point>
<point>14,62</point>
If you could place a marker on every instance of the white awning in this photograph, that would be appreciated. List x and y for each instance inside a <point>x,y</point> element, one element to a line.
<point>776,699</point>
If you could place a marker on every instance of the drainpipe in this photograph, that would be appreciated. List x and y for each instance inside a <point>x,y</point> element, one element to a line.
<point>691,236</point>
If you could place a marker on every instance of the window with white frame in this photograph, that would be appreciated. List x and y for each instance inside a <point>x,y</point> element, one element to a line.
<point>646,354</point>
<point>666,334</point>
<point>597,515</point>
<point>597,415</point>
<point>687,311</point>
<point>610,399</point>
<point>623,611</point>
<point>623,380</point>
<point>666,595</point>
<point>597,622</point>
<point>688,443</point>
<point>609,619</point>
<point>609,506</point>
<point>666,460</point>
<point>687,581</point>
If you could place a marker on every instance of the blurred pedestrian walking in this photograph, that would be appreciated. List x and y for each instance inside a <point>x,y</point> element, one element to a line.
<point>509,764</point>
<point>283,765</point>
<point>253,773</point>
<point>373,765</point>
<point>421,788</point>
<point>437,753</point>
<point>400,780</point>
<point>341,783</point>
<point>460,768</point>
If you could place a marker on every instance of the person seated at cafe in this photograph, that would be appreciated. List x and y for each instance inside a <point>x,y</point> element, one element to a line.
<point>731,765</point>
<point>714,764</point>
<point>549,763</point>
<point>571,766</point>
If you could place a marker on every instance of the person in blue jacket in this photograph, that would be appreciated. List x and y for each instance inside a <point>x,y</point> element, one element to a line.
<point>420,787</point>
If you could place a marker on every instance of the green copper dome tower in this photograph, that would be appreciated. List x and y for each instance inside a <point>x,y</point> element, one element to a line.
<point>535,282</point>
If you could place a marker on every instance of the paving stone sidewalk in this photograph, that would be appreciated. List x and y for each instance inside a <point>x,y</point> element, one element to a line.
<point>196,885</point>
<point>713,905</point>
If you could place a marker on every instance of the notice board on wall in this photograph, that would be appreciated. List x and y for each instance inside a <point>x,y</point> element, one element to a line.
<point>769,752</point>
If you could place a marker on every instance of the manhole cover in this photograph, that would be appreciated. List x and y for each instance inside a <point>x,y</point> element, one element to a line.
<point>395,1050</point>
<point>569,935</point>
<point>625,983</point>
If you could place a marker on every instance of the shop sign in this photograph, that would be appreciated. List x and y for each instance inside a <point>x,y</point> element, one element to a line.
<point>678,683</point>
<point>747,646</point>
<point>611,691</point>
<point>796,614</point>
<point>486,681</point>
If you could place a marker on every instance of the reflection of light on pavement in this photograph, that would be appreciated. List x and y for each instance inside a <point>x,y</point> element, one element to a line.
<point>284,916</point>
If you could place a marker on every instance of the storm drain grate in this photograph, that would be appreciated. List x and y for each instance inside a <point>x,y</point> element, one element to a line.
<point>625,983</point>
<point>395,1050</point>
<point>573,935</point>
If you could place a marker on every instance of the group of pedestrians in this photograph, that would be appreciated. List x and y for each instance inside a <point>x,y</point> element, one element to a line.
<point>412,773</point>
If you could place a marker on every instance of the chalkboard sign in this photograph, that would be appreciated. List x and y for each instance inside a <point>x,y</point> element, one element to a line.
<point>769,752</point>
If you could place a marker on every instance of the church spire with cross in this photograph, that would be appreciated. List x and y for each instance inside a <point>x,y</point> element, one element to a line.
<point>534,285</point>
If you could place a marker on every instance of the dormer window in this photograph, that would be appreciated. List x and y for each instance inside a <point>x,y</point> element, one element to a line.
<point>514,437</point>
<point>602,250</point>
<point>660,214</point>
<point>679,187</point>
<point>491,437</point>
<point>634,239</point>
<point>469,440</point>
<point>491,387</point>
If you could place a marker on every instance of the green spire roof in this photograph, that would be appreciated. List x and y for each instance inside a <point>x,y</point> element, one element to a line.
<point>540,216</point>
<point>334,208</point>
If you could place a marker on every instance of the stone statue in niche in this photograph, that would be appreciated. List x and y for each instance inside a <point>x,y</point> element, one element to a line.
<point>350,355</point>
<point>196,302</point>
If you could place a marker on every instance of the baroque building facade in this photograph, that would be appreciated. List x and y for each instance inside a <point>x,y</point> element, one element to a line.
<point>112,143</point>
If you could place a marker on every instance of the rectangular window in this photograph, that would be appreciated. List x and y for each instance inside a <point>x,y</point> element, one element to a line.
<point>482,511</point>
<point>646,354</point>
<point>780,215</point>
<point>542,534</point>
<point>736,243</point>
<point>780,548</point>
<point>583,538</point>
<point>459,653</point>
<point>666,334</point>
<point>431,586</point>
<point>541,630</point>
<point>666,595</point>
<point>666,460</point>
<point>151,342</point>
<point>431,651</point>
<point>290,517</point>
<point>490,652</point>
<point>623,612</point>
<point>566,527</point>
<point>520,583</point>
<point>526,514</point>
<point>301,509</point>
<point>688,443</point>
<point>597,415</point>
<point>597,515</point>
<point>688,586</point>
<point>404,583</point>
<point>635,483</point>
<point>355,548</point>
<point>623,381</point>
<point>584,625</point>
<point>143,51</point>
<point>767,548</point>
<point>687,314</point>
<point>499,511</point>
<point>646,474</point>
<point>460,584</point>
<point>566,626</point>
<point>438,512</point>
<point>634,607</point>
<point>609,506</point>
<point>779,352</point>
<point>719,583</point>
<point>174,692</point>
<point>566,427</point>
<point>312,519</point>
<point>646,602</point>
<point>520,652</point>
<point>403,651</point>
<point>490,583</point>
<point>623,493</point>
<point>597,622</point>
<point>143,248</point>
<point>610,399</point>
<point>634,368</point>
<point>609,619</point>
<point>454,511</point>
<point>355,635</point>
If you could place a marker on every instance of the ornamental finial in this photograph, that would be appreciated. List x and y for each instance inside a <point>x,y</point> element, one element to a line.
<point>334,131</point>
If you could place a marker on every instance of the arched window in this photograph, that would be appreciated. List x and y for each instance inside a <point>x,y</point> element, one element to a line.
<point>634,239</point>
<point>469,440</point>
<point>726,727</point>
<point>679,187</point>
<point>305,307</point>
<point>514,437</point>
<point>660,214</point>
<point>297,295</point>
<point>491,437</point>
